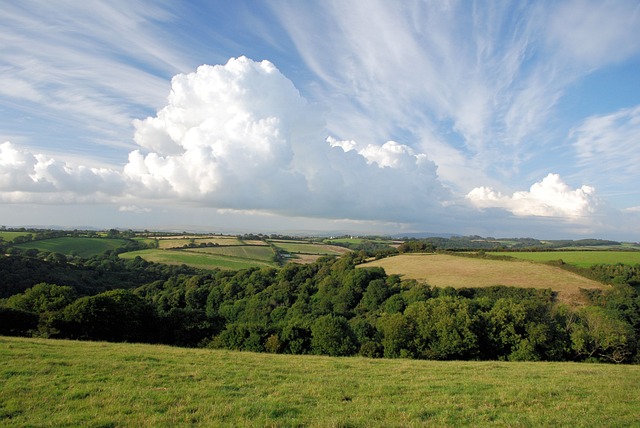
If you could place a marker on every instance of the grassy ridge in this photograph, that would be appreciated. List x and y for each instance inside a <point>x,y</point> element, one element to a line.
<point>65,384</point>
<point>83,247</point>
<point>195,259</point>
<point>177,242</point>
<point>9,236</point>
<point>578,258</point>
<point>307,248</point>
<point>263,253</point>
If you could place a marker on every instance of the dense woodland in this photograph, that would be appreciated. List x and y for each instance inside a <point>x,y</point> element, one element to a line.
<point>330,307</point>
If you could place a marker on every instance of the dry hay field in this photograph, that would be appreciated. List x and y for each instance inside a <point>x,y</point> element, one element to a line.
<point>441,270</point>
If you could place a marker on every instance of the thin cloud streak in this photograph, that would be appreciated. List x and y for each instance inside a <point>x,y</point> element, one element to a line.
<point>492,74</point>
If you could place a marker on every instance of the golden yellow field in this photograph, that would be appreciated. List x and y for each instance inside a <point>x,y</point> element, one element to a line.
<point>453,271</point>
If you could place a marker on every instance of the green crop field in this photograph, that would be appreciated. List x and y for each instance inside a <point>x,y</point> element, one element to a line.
<point>346,241</point>
<point>181,241</point>
<point>308,248</point>
<point>9,236</point>
<point>263,253</point>
<point>83,247</point>
<point>454,271</point>
<point>72,383</point>
<point>196,259</point>
<point>578,258</point>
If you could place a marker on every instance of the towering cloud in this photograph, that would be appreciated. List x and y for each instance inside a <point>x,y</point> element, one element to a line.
<point>241,136</point>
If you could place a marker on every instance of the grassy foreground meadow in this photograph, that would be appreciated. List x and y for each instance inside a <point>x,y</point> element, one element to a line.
<point>67,384</point>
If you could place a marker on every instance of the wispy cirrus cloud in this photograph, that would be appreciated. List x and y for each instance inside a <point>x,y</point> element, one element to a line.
<point>607,145</point>
<point>98,65</point>
<point>474,85</point>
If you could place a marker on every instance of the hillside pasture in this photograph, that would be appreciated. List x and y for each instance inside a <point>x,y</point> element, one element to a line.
<point>441,270</point>
<point>577,258</point>
<point>83,247</point>
<point>263,253</point>
<point>9,236</point>
<point>309,248</point>
<point>182,241</point>
<point>72,383</point>
<point>199,260</point>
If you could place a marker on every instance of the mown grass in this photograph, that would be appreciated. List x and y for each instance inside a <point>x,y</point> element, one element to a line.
<point>180,241</point>
<point>577,258</point>
<point>308,248</point>
<point>263,253</point>
<point>454,271</point>
<point>9,236</point>
<point>196,259</point>
<point>83,247</point>
<point>69,384</point>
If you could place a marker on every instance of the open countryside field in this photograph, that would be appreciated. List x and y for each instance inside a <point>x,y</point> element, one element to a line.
<point>196,259</point>
<point>83,247</point>
<point>577,258</point>
<point>264,253</point>
<point>181,241</point>
<point>308,248</point>
<point>455,271</point>
<point>71,383</point>
<point>9,236</point>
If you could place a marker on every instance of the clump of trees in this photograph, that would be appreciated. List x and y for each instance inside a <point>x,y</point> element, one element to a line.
<point>330,307</point>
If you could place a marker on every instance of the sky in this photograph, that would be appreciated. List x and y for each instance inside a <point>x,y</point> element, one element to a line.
<point>491,118</point>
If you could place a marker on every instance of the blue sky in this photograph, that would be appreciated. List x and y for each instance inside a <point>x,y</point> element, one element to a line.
<point>490,118</point>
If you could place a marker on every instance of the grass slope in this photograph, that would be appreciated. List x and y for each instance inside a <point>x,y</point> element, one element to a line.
<point>9,236</point>
<point>180,241</point>
<point>263,253</point>
<point>308,248</point>
<point>83,247</point>
<point>69,384</point>
<point>578,258</point>
<point>195,259</point>
<point>453,271</point>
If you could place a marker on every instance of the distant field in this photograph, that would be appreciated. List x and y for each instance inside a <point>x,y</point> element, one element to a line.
<point>8,236</point>
<point>578,258</point>
<point>72,383</point>
<point>359,241</point>
<point>178,242</point>
<point>195,259</point>
<point>83,247</point>
<point>264,253</point>
<point>455,271</point>
<point>345,241</point>
<point>307,248</point>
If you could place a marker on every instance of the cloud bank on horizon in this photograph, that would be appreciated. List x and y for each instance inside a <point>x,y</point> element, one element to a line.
<point>421,117</point>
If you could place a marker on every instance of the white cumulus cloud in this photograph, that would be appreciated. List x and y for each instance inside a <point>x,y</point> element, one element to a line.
<point>240,136</point>
<point>27,177</point>
<point>550,197</point>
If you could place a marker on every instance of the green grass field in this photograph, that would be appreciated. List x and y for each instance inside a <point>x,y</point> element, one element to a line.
<point>578,258</point>
<point>180,241</point>
<point>83,247</point>
<point>454,271</point>
<point>71,383</point>
<point>308,248</point>
<point>198,260</point>
<point>263,253</point>
<point>9,236</point>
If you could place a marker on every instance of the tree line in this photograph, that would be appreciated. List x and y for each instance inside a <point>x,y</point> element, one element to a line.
<point>331,307</point>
